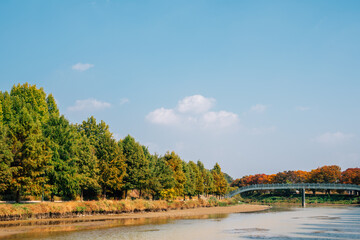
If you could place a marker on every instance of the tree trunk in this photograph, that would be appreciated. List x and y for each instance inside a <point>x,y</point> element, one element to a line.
<point>18,196</point>
<point>140,193</point>
<point>82,195</point>
<point>104,193</point>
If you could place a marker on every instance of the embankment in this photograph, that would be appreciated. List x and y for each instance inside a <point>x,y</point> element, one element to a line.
<point>50,210</point>
<point>101,214</point>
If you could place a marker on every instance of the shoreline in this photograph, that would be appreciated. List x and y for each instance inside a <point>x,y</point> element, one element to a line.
<point>88,222</point>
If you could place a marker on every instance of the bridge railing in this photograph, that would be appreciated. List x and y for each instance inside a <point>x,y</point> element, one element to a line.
<point>332,186</point>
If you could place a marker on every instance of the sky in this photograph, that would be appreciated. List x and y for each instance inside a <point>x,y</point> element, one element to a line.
<point>257,86</point>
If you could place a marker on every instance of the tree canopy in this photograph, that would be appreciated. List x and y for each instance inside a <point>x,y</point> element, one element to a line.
<point>42,154</point>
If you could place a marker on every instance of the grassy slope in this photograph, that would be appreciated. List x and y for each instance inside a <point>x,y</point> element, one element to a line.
<point>51,209</point>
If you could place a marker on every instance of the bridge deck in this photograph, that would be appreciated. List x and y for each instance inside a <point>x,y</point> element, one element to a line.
<point>323,186</point>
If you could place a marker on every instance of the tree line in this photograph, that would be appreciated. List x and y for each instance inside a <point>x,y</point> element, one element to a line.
<point>43,154</point>
<point>324,174</point>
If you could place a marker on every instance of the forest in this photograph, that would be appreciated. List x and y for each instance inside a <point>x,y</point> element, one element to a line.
<point>324,174</point>
<point>42,154</point>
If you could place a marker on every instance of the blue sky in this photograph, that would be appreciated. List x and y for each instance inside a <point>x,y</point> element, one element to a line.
<point>258,86</point>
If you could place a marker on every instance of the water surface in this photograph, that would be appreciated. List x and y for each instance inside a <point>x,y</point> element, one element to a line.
<point>277,223</point>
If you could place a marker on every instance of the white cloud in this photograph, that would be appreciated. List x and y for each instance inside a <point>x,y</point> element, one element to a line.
<point>163,116</point>
<point>332,138</point>
<point>258,108</point>
<point>124,100</point>
<point>302,108</point>
<point>82,66</point>
<point>88,105</point>
<point>193,111</point>
<point>195,104</point>
<point>221,119</point>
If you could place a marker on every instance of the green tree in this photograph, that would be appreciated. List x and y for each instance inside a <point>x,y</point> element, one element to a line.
<point>33,99</point>
<point>161,175</point>
<point>51,105</point>
<point>63,139</point>
<point>7,112</point>
<point>1,111</point>
<point>30,155</point>
<point>190,179</point>
<point>112,167</point>
<point>24,113</point>
<point>6,157</point>
<point>207,177</point>
<point>87,168</point>
<point>199,181</point>
<point>228,178</point>
<point>137,165</point>
<point>73,166</point>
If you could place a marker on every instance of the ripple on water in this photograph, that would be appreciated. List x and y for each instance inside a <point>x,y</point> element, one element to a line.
<point>246,230</point>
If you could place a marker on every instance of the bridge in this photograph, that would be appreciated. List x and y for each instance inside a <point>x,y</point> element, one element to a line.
<point>297,186</point>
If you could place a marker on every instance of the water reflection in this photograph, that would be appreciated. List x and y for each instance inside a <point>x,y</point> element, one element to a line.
<point>277,223</point>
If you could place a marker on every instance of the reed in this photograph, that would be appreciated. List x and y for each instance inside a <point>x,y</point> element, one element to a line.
<point>76,208</point>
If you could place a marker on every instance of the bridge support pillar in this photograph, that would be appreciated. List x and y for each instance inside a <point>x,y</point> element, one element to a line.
<point>303,198</point>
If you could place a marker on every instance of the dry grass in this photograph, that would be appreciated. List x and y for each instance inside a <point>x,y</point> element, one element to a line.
<point>62,209</point>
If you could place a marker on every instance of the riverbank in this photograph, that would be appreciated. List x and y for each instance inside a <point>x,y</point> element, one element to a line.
<point>86,222</point>
<point>50,210</point>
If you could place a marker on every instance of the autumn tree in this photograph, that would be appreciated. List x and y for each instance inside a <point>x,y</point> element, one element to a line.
<point>175,164</point>
<point>220,183</point>
<point>351,176</point>
<point>325,174</point>
<point>251,179</point>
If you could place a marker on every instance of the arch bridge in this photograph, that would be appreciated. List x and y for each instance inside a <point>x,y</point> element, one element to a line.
<point>297,186</point>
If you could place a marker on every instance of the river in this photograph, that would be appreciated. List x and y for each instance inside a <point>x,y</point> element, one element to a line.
<point>277,223</point>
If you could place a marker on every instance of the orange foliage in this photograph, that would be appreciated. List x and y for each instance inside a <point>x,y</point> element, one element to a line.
<point>252,179</point>
<point>324,174</point>
<point>351,176</point>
